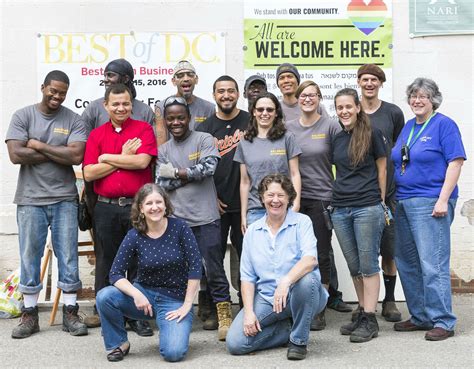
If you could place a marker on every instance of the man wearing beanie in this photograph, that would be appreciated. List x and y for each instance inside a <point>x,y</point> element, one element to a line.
<point>185,79</point>
<point>390,120</point>
<point>117,71</point>
<point>254,86</point>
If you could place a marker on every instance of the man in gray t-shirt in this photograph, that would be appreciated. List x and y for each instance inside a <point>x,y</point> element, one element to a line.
<point>185,79</point>
<point>47,139</point>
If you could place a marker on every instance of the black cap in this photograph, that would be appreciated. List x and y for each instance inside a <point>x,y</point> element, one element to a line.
<point>252,79</point>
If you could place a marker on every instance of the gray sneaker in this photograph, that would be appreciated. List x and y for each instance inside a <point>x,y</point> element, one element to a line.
<point>29,323</point>
<point>71,321</point>
<point>368,328</point>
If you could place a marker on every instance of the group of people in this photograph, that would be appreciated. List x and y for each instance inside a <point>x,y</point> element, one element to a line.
<point>167,188</point>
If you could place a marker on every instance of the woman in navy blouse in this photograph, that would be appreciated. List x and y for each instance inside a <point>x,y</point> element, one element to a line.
<point>169,270</point>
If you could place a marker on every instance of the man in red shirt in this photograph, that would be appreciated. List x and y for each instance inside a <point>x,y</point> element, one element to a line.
<point>118,159</point>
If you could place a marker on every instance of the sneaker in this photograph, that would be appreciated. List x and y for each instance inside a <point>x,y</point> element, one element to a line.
<point>296,352</point>
<point>71,321</point>
<point>368,328</point>
<point>390,311</point>
<point>347,329</point>
<point>224,316</point>
<point>319,322</point>
<point>337,304</point>
<point>29,323</point>
<point>438,334</point>
<point>408,326</point>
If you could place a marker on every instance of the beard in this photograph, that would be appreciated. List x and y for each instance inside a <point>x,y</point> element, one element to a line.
<point>227,109</point>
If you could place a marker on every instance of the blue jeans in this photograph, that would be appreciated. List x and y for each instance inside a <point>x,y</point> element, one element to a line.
<point>306,298</point>
<point>359,230</point>
<point>113,305</point>
<point>422,251</point>
<point>254,214</point>
<point>33,223</point>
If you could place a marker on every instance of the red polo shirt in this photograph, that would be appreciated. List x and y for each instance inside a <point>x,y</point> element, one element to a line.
<point>106,140</point>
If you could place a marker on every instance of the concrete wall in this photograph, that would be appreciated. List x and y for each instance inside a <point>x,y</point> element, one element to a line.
<point>448,60</point>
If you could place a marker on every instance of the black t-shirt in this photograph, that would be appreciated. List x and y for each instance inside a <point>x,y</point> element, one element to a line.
<point>356,186</point>
<point>227,134</point>
<point>390,120</point>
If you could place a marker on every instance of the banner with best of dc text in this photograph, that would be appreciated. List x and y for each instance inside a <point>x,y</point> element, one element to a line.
<point>153,55</point>
<point>326,40</point>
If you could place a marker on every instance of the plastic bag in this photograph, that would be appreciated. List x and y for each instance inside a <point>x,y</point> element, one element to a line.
<point>11,300</point>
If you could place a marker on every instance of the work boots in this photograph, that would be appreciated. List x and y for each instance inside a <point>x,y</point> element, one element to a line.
<point>224,316</point>
<point>29,323</point>
<point>211,323</point>
<point>204,306</point>
<point>71,321</point>
<point>367,329</point>
<point>347,329</point>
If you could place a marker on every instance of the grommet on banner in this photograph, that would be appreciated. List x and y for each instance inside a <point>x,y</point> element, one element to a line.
<point>244,47</point>
<point>132,33</point>
<point>411,35</point>
<point>38,35</point>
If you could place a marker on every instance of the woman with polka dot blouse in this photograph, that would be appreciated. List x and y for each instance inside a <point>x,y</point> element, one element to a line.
<point>169,270</point>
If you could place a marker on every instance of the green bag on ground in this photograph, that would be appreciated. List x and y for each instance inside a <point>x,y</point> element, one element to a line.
<point>11,300</point>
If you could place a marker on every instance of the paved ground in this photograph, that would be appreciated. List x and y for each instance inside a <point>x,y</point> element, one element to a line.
<point>327,349</point>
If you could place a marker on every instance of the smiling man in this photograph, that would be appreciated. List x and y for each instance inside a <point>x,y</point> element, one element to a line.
<point>118,159</point>
<point>47,139</point>
<point>185,79</point>
<point>186,165</point>
<point>390,120</point>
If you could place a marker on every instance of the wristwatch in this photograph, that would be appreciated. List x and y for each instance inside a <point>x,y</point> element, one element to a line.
<point>176,171</point>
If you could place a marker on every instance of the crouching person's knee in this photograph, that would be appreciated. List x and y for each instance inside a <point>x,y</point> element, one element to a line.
<point>173,354</point>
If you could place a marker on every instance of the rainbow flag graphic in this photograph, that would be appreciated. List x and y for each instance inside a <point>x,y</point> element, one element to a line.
<point>367,17</point>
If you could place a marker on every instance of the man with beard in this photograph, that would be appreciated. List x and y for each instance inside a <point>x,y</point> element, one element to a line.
<point>185,79</point>
<point>227,126</point>
<point>95,115</point>
<point>390,120</point>
<point>254,86</point>
<point>185,167</point>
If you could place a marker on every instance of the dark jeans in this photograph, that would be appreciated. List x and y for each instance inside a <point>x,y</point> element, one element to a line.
<point>231,222</point>
<point>111,224</point>
<point>208,237</point>
<point>314,209</point>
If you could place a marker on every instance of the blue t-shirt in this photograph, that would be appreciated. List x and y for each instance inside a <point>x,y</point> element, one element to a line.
<point>438,145</point>
<point>165,264</point>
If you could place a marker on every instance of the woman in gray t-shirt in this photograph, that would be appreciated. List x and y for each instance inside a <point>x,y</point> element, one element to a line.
<point>267,148</point>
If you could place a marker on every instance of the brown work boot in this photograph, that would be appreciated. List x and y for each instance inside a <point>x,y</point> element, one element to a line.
<point>92,321</point>
<point>390,311</point>
<point>224,315</point>
<point>29,323</point>
<point>71,321</point>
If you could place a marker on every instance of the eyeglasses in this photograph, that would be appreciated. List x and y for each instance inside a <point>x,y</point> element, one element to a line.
<point>419,97</point>
<point>182,74</point>
<point>268,110</point>
<point>110,75</point>
<point>175,100</point>
<point>311,96</point>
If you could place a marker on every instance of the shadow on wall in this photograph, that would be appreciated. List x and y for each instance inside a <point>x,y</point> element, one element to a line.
<point>467,210</point>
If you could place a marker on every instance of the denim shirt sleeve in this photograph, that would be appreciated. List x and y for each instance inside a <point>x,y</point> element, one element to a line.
<point>247,272</point>
<point>124,257</point>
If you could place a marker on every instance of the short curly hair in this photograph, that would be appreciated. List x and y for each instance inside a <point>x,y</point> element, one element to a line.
<point>283,181</point>
<point>139,222</point>
<point>429,87</point>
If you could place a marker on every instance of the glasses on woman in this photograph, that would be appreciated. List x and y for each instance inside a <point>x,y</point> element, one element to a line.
<point>268,110</point>
<point>311,96</point>
<point>414,97</point>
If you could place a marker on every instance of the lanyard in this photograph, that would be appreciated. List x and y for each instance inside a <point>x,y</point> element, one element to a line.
<point>419,132</point>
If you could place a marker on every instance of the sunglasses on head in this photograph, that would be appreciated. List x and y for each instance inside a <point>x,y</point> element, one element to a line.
<point>268,110</point>
<point>174,100</point>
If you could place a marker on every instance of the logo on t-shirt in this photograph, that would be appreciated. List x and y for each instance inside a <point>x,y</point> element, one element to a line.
<point>319,136</point>
<point>194,155</point>
<point>199,119</point>
<point>425,138</point>
<point>278,152</point>
<point>62,131</point>
<point>229,142</point>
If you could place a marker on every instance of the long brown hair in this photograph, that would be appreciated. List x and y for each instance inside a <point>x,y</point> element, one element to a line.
<point>361,132</point>
<point>278,129</point>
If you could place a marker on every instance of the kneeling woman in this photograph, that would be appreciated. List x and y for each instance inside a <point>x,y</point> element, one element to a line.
<point>169,270</point>
<point>281,284</point>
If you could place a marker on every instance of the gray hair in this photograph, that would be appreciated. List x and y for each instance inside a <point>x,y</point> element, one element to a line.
<point>429,87</point>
